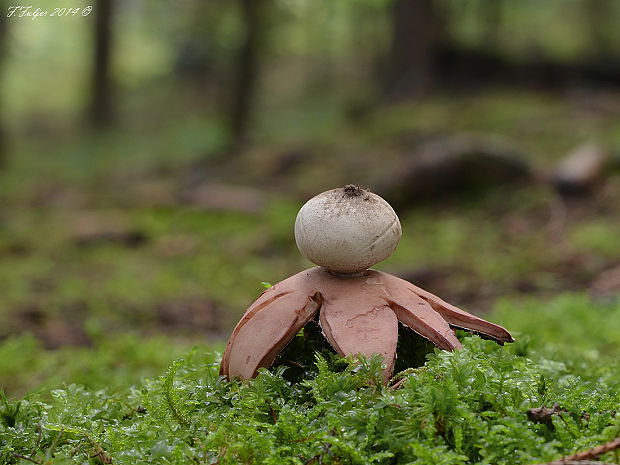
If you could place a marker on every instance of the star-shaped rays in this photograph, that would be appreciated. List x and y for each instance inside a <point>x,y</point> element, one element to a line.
<point>358,314</point>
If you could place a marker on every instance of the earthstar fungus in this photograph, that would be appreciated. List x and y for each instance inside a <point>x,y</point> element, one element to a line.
<point>345,231</point>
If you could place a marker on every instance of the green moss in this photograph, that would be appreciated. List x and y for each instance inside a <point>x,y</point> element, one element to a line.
<point>467,406</point>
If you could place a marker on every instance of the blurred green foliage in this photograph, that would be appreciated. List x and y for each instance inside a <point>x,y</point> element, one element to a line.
<point>113,362</point>
<point>312,48</point>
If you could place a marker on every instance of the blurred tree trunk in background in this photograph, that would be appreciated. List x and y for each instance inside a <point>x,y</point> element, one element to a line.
<point>3,49</point>
<point>597,18</point>
<point>491,15</point>
<point>414,47</point>
<point>101,104</point>
<point>247,69</point>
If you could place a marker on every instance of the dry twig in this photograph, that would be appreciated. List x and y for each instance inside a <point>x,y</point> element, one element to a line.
<point>588,457</point>
<point>583,462</point>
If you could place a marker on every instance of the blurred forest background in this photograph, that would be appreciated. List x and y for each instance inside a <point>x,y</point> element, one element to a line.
<point>154,154</point>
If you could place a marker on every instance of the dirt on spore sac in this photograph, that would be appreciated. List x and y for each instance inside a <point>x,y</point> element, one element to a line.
<point>352,190</point>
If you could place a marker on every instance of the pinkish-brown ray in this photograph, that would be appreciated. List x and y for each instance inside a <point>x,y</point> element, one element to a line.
<point>418,315</point>
<point>298,284</point>
<point>356,318</point>
<point>383,289</point>
<point>457,317</point>
<point>266,332</point>
<point>359,316</point>
<point>365,328</point>
<point>410,309</point>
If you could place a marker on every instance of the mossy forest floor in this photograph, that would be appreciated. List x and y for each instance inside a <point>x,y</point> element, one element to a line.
<point>121,253</point>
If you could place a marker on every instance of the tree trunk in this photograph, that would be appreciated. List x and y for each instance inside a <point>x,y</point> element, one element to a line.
<point>247,70</point>
<point>415,37</point>
<point>491,14</point>
<point>597,20</point>
<point>101,104</point>
<point>3,40</point>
